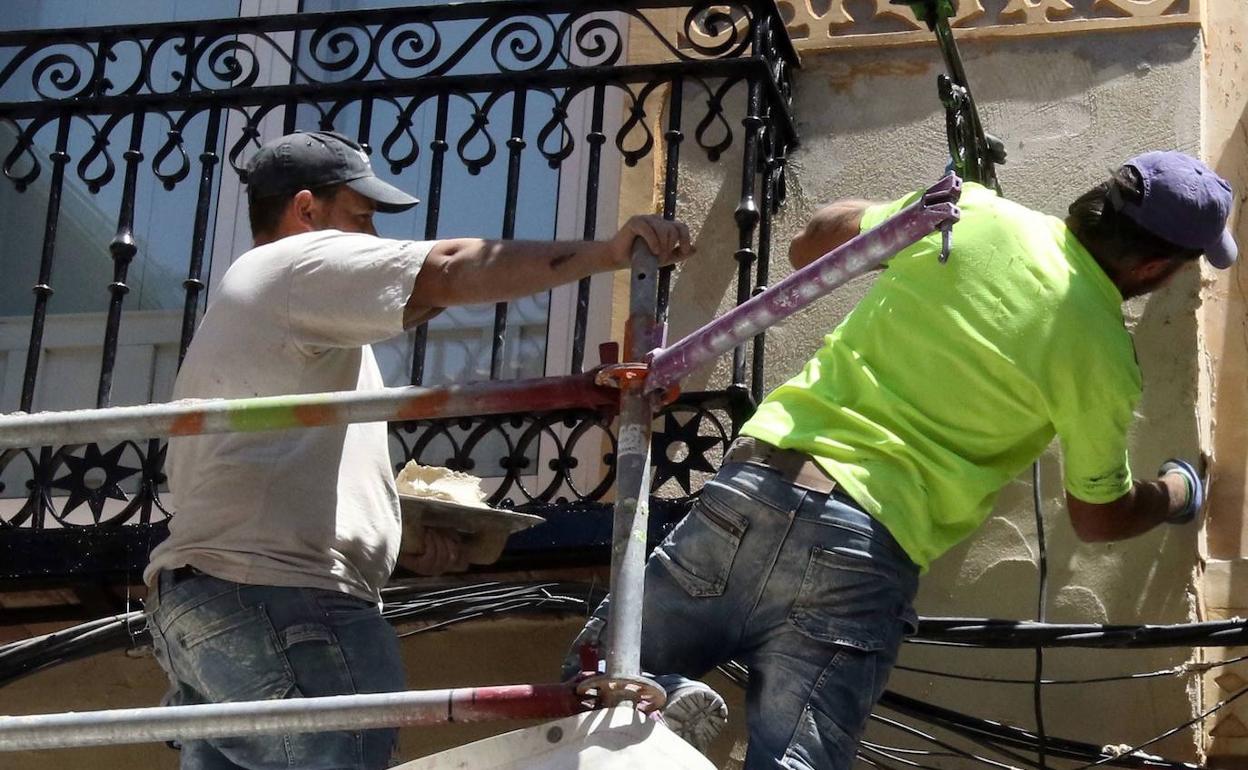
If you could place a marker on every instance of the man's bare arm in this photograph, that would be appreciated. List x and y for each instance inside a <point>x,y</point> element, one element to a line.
<point>465,271</point>
<point>830,227</point>
<point>1148,504</point>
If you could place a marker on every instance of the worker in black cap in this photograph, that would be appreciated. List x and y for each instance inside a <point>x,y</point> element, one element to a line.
<point>269,583</point>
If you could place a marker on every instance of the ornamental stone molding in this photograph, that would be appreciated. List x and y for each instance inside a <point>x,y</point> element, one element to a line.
<point>830,24</point>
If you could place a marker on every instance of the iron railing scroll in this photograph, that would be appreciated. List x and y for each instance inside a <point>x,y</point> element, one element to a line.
<point>128,114</point>
<point>973,152</point>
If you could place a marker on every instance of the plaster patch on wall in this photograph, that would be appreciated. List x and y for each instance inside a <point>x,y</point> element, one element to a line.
<point>1081,602</point>
<point>997,541</point>
<point>843,76</point>
<point>995,593</point>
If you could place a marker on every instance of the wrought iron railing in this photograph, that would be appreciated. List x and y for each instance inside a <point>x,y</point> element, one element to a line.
<point>569,84</point>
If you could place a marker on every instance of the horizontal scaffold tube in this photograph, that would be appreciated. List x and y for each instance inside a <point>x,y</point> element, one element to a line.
<point>198,416</point>
<point>296,715</point>
<point>935,209</point>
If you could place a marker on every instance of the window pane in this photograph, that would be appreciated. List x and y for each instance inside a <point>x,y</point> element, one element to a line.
<point>63,14</point>
<point>83,266</point>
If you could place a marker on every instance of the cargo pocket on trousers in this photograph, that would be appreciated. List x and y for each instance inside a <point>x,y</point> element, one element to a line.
<point>844,599</point>
<point>700,550</point>
<point>237,657</point>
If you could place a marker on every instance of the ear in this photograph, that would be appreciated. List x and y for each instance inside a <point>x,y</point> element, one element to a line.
<point>1153,269</point>
<point>302,210</point>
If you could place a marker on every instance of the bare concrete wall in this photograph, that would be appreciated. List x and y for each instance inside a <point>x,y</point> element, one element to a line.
<point>1070,108</point>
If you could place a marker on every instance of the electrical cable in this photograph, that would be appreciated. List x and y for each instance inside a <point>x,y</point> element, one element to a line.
<point>917,752</point>
<point>1022,634</point>
<point>950,748</point>
<point>1186,668</point>
<point>1037,698</point>
<point>1195,720</point>
<point>403,601</point>
<point>864,746</point>
<point>986,742</point>
<point>1016,737</point>
<point>875,762</point>
<point>995,735</point>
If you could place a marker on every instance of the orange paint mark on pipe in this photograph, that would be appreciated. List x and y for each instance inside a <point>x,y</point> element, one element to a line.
<point>424,406</point>
<point>312,415</point>
<point>187,425</point>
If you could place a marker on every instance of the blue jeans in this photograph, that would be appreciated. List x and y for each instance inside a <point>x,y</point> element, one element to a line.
<point>221,641</point>
<point>805,588</point>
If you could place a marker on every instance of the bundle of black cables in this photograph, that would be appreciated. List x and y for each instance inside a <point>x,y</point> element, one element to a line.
<point>419,609</point>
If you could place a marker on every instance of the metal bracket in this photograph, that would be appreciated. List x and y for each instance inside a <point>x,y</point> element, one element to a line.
<point>645,693</point>
<point>630,376</point>
<point>946,192</point>
<point>622,376</point>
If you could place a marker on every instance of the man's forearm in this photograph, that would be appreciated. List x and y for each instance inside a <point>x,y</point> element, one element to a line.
<point>831,226</point>
<point>1148,504</point>
<point>465,271</point>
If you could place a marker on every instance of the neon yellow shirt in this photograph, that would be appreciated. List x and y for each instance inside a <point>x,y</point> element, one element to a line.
<point>946,381</point>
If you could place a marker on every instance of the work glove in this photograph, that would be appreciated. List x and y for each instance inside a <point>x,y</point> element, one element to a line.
<point>1195,489</point>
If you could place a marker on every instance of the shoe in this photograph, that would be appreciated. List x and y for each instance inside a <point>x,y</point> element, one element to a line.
<point>696,713</point>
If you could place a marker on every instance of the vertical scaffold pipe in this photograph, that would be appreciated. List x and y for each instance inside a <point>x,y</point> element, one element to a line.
<point>632,501</point>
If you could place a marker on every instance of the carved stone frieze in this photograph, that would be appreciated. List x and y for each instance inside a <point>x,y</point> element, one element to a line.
<point>817,24</point>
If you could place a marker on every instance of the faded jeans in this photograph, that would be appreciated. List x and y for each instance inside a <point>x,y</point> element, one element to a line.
<point>805,588</point>
<point>221,641</point>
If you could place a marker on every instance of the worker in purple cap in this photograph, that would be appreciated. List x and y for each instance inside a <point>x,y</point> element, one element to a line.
<point>268,585</point>
<point>802,557</point>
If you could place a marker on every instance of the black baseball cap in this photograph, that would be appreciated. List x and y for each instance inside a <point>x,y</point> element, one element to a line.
<point>308,160</point>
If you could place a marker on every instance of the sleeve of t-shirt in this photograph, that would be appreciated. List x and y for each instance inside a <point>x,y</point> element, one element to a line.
<point>874,215</point>
<point>349,289</point>
<point>1095,385</point>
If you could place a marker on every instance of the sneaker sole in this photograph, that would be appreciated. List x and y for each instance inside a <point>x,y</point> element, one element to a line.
<point>698,717</point>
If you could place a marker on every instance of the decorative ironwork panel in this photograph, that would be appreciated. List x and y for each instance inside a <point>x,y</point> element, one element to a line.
<point>144,123</point>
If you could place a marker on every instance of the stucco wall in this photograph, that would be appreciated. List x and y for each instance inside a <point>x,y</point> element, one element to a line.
<point>1070,108</point>
<point>1224,370</point>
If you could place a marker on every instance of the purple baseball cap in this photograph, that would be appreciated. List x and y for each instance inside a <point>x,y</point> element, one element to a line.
<point>1185,203</point>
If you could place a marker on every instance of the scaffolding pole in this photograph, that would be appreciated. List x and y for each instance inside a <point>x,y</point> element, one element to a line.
<point>306,410</point>
<point>632,497</point>
<point>295,715</point>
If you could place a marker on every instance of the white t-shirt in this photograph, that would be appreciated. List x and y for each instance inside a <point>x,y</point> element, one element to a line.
<point>309,507</point>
